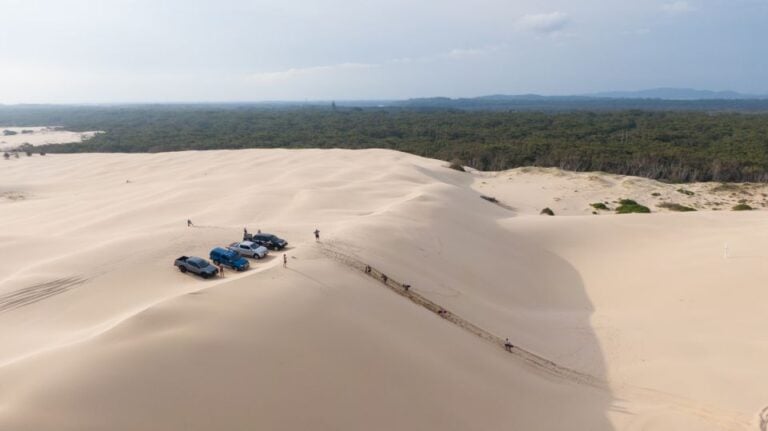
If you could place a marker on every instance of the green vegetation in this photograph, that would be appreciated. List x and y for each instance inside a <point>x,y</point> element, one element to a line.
<point>547,211</point>
<point>676,146</point>
<point>686,192</point>
<point>724,188</point>
<point>628,206</point>
<point>457,165</point>
<point>675,207</point>
<point>600,206</point>
<point>742,207</point>
<point>655,194</point>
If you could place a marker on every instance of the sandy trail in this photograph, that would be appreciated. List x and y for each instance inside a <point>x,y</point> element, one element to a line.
<point>618,322</point>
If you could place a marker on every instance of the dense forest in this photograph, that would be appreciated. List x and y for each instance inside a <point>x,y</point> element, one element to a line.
<point>668,145</point>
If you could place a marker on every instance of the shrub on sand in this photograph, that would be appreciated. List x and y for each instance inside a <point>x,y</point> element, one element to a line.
<point>742,207</point>
<point>628,206</point>
<point>457,165</point>
<point>547,211</point>
<point>675,207</point>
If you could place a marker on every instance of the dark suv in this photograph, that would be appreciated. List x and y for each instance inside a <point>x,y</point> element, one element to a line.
<point>267,240</point>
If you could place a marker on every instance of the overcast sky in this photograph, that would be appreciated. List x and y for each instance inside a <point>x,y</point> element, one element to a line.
<point>74,51</point>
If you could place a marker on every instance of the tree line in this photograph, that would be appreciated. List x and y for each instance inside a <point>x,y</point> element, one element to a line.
<point>667,145</point>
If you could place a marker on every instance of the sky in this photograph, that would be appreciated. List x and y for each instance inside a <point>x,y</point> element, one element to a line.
<point>133,51</point>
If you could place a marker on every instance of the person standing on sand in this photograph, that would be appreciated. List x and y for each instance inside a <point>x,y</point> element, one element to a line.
<point>189,223</point>
<point>221,270</point>
<point>245,232</point>
<point>508,346</point>
<point>317,235</point>
<point>285,260</point>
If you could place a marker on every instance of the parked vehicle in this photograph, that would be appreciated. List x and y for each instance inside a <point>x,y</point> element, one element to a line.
<point>196,265</point>
<point>229,258</point>
<point>249,249</point>
<point>267,240</point>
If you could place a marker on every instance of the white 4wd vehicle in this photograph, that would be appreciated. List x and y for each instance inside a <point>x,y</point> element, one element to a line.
<point>249,249</point>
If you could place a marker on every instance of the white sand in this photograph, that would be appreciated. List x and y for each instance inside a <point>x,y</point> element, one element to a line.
<point>101,332</point>
<point>572,193</point>
<point>39,136</point>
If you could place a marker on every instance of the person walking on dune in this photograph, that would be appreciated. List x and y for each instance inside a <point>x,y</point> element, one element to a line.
<point>317,235</point>
<point>285,260</point>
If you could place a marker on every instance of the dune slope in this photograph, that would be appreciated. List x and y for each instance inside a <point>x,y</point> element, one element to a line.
<point>100,331</point>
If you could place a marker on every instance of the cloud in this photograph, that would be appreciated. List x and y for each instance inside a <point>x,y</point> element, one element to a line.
<point>546,23</point>
<point>677,7</point>
<point>305,72</point>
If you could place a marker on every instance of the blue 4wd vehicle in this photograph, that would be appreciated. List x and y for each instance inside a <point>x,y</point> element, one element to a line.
<point>229,258</point>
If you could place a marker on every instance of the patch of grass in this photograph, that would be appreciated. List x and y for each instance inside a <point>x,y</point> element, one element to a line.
<point>629,206</point>
<point>675,207</point>
<point>686,192</point>
<point>742,207</point>
<point>547,211</point>
<point>600,206</point>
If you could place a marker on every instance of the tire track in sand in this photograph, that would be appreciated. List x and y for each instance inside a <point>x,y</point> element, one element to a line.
<point>38,292</point>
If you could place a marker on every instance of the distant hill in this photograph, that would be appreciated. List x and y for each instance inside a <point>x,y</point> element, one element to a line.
<point>677,94</point>
<point>648,100</point>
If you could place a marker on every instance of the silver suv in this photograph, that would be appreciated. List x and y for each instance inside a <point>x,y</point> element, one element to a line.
<point>249,249</point>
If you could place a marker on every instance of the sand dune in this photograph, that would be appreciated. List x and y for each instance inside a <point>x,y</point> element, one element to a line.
<point>619,322</point>
<point>37,135</point>
<point>572,193</point>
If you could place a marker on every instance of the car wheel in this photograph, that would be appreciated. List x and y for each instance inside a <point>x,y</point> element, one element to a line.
<point>182,269</point>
